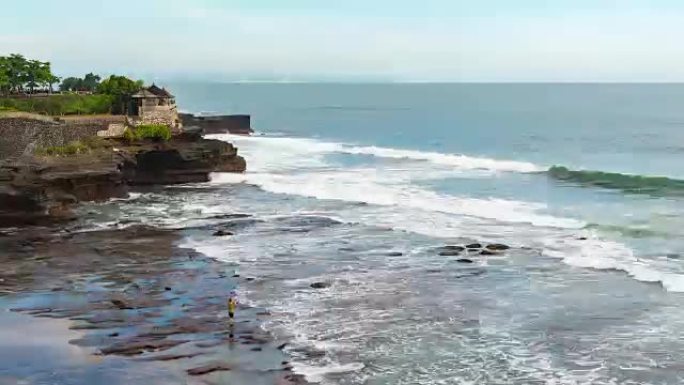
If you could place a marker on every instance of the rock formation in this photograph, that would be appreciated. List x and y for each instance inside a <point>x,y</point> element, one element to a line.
<point>219,124</point>
<point>38,189</point>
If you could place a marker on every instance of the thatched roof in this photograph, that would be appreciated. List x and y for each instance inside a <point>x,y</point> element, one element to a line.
<point>152,92</point>
<point>144,93</point>
<point>161,92</point>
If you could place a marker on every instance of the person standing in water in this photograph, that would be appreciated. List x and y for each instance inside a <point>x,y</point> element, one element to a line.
<point>232,304</point>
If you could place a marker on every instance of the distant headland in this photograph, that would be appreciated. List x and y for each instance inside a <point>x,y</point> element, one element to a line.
<point>94,138</point>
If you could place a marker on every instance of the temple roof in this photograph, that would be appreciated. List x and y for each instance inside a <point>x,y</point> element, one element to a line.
<point>152,92</point>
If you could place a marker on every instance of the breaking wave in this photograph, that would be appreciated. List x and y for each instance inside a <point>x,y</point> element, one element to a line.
<point>302,146</point>
<point>636,184</point>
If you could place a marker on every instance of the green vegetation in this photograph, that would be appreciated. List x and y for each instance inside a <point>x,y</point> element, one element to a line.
<point>77,147</point>
<point>21,77</point>
<point>67,104</point>
<point>158,132</point>
<point>120,88</point>
<point>89,83</point>
<point>18,74</point>
<point>71,148</point>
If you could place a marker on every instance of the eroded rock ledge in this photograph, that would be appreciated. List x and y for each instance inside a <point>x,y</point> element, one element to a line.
<point>43,189</point>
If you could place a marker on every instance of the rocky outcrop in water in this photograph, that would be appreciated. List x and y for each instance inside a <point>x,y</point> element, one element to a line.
<point>219,124</point>
<point>40,189</point>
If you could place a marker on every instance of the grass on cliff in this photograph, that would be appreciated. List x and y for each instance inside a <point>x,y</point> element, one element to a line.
<point>70,104</point>
<point>157,132</point>
<point>77,147</point>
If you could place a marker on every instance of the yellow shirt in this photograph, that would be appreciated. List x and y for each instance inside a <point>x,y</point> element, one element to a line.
<point>231,305</point>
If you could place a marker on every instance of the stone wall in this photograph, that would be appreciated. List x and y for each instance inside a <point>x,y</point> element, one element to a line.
<point>164,114</point>
<point>21,133</point>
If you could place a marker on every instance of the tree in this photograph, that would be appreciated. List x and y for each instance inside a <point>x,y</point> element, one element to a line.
<point>121,88</point>
<point>4,76</point>
<point>90,82</point>
<point>37,74</point>
<point>70,84</point>
<point>52,80</point>
<point>18,73</point>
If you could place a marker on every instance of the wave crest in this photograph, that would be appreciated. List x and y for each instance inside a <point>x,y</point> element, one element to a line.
<point>637,184</point>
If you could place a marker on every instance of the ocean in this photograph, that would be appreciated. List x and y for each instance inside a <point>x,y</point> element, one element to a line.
<point>358,185</point>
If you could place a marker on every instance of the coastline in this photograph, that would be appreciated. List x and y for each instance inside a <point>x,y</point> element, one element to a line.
<point>147,305</point>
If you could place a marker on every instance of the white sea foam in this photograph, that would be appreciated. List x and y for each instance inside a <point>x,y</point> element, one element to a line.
<point>601,254</point>
<point>459,161</point>
<point>317,373</point>
<point>280,146</point>
<point>430,213</point>
<point>361,185</point>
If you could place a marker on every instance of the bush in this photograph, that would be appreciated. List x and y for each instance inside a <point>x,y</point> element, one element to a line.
<point>69,104</point>
<point>71,148</point>
<point>159,132</point>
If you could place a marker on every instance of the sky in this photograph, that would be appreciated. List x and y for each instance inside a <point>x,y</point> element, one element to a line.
<point>354,40</point>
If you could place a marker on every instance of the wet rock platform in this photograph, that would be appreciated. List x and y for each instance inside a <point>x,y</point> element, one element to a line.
<point>126,306</point>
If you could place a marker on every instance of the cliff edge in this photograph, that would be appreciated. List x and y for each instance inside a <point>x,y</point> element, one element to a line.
<point>39,189</point>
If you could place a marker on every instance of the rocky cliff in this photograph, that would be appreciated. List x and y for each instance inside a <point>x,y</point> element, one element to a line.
<point>219,124</point>
<point>40,189</point>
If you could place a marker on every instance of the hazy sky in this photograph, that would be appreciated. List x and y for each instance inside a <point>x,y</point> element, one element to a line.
<point>408,40</point>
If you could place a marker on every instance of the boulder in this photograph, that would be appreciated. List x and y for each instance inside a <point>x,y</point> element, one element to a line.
<point>489,252</point>
<point>474,246</point>
<point>222,233</point>
<point>497,247</point>
<point>209,368</point>
<point>220,124</point>
<point>114,130</point>
<point>320,285</point>
<point>464,260</point>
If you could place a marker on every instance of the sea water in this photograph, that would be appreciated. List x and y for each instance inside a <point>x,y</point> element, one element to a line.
<point>357,184</point>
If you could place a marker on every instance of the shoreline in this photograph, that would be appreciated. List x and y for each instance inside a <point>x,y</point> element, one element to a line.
<point>149,305</point>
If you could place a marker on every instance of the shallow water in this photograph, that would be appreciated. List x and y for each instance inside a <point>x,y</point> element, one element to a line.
<point>356,185</point>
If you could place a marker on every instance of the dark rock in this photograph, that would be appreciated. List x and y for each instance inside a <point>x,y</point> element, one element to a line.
<point>231,216</point>
<point>139,345</point>
<point>121,304</point>
<point>222,233</point>
<point>281,346</point>
<point>320,285</point>
<point>236,275</point>
<point>497,247</point>
<point>249,279</point>
<point>36,190</point>
<point>256,349</point>
<point>209,368</point>
<point>167,288</point>
<point>220,124</point>
<point>489,252</point>
<point>173,357</point>
<point>452,248</point>
<point>474,246</point>
<point>394,254</point>
<point>180,162</point>
<point>115,334</point>
<point>582,238</point>
<point>191,133</point>
<point>464,260</point>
